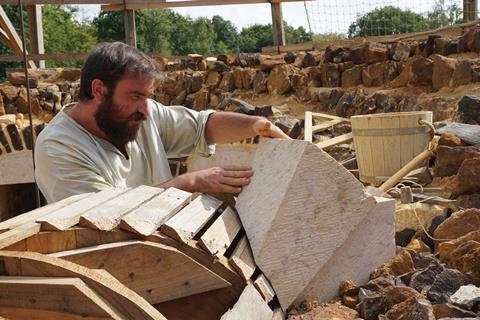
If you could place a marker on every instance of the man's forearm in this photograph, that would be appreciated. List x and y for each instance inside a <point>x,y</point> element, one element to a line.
<point>226,127</point>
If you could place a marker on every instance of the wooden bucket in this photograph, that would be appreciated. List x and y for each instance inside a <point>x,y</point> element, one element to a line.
<point>385,142</point>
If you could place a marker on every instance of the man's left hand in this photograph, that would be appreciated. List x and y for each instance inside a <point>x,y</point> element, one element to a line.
<point>265,128</point>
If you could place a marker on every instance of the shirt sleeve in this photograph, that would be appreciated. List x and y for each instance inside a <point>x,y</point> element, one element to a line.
<point>60,173</point>
<point>182,130</point>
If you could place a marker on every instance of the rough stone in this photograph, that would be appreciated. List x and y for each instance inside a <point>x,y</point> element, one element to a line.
<point>470,40</point>
<point>290,126</point>
<point>259,82</point>
<point>468,201</point>
<point>2,107</point>
<point>450,140</point>
<point>466,297</point>
<point>450,159</point>
<point>411,309</point>
<point>331,52</point>
<point>327,311</point>
<point>213,79</point>
<point>403,237</point>
<point>227,83</point>
<point>421,72</point>
<point>402,263</point>
<point>374,75</point>
<point>445,46</point>
<point>290,57</point>
<point>170,86</point>
<point>344,104</point>
<point>400,51</point>
<point>10,93</point>
<point>247,78</point>
<point>418,246</point>
<point>447,310</point>
<point>430,45</point>
<point>237,77</point>
<point>463,74</point>
<point>469,176</point>
<point>196,81</point>
<point>179,99</point>
<point>459,224</point>
<point>443,69</point>
<point>220,66</point>
<point>331,75</point>
<point>279,80</point>
<point>372,306</point>
<point>446,284</point>
<point>468,110</point>
<point>423,279</point>
<point>352,77</point>
<point>197,101</point>
<point>18,79</point>
<point>369,53</point>
<point>466,258</point>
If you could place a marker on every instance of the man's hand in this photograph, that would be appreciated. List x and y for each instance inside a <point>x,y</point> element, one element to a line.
<point>229,179</point>
<point>265,128</point>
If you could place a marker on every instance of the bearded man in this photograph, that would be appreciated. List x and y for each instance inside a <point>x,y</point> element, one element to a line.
<point>115,136</point>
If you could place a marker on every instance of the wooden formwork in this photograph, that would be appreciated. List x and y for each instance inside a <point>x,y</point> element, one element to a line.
<point>142,253</point>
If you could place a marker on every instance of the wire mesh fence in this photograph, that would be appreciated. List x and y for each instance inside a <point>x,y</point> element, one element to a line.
<point>359,18</point>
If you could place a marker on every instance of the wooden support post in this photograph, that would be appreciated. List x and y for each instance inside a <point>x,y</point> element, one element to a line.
<point>130,30</point>
<point>470,10</point>
<point>277,23</point>
<point>35,28</point>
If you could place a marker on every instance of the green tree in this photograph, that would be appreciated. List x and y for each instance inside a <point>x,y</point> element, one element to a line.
<point>442,15</point>
<point>254,37</point>
<point>385,21</point>
<point>109,26</point>
<point>298,35</point>
<point>227,37</point>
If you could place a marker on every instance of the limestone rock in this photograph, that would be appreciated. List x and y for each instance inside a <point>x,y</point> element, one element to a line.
<point>466,296</point>
<point>418,246</point>
<point>352,77</point>
<point>213,79</point>
<point>470,40</point>
<point>259,82</point>
<point>468,110</point>
<point>445,46</point>
<point>463,74</point>
<point>449,159</point>
<point>400,51</point>
<point>250,305</point>
<point>459,224</point>
<point>411,309</point>
<point>197,101</point>
<point>237,78</point>
<point>469,176</point>
<point>279,80</point>
<point>228,83</point>
<point>466,258</point>
<point>18,79</point>
<point>446,284</point>
<point>443,69</point>
<point>331,75</point>
<point>447,310</point>
<point>369,53</point>
<point>331,52</point>
<point>421,72</point>
<point>402,263</point>
<point>10,93</point>
<point>405,218</point>
<point>296,267</point>
<point>247,78</point>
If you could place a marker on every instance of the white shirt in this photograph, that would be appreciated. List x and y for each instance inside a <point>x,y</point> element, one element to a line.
<point>69,160</point>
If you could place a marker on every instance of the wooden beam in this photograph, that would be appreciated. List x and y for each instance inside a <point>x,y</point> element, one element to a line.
<point>18,234</point>
<point>307,131</point>
<point>68,295</point>
<point>146,219</point>
<point>264,287</point>
<point>344,138</point>
<point>134,5</point>
<point>185,225</point>
<point>108,216</point>
<point>156,272</point>
<point>15,42</point>
<point>242,259</point>
<point>130,28</point>
<point>470,8</point>
<point>34,264</point>
<point>69,216</point>
<point>32,216</point>
<point>218,238</point>
<point>35,28</point>
<point>326,125</point>
<point>277,23</point>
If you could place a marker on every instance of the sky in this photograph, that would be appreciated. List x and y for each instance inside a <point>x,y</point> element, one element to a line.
<point>325,16</point>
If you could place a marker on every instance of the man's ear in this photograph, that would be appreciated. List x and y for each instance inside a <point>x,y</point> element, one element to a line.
<point>98,90</point>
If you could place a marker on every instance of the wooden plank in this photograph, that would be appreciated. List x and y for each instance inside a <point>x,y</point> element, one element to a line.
<point>31,216</point>
<point>264,288</point>
<point>67,217</point>
<point>129,26</point>
<point>469,133</point>
<point>308,127</point>
<point>277,24</point>
<point>14,39</point>
<point>250,305</point>
<point>34,264</point>
<point>149,217</point>
<point>204,306</point>
<point>344,138</point>
<point>326,125</point>
<point>10,237</point>
<point>188,222</point>
<point>327,117</point>
<point>131,5</point>
<point>108,216</point>
<point>35,29</point>
<point>156,272</point>
<point>242,259</point>
<point>69,295</point>
<point>38,314</point>
<point>221,233</point>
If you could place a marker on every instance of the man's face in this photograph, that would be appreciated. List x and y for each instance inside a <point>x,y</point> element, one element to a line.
<point>121,114</point>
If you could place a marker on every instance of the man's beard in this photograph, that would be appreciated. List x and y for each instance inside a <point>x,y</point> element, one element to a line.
<point>119,131</point>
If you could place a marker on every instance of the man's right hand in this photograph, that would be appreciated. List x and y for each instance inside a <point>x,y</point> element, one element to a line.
<point>228,179</point>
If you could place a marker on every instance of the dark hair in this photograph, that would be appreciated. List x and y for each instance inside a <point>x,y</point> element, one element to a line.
<point>110,62</point>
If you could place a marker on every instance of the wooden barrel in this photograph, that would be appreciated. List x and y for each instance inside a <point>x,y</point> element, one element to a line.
<point>385,142</point>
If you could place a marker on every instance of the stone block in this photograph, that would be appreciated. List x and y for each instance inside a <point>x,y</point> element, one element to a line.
<point>309,221</point>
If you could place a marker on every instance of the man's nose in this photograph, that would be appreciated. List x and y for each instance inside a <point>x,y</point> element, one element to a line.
<point>143,108</point>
